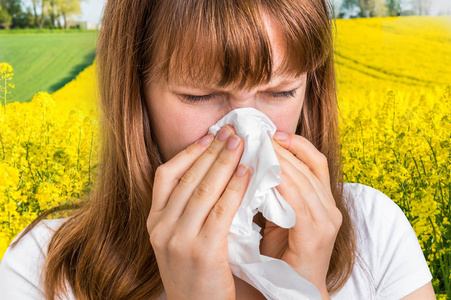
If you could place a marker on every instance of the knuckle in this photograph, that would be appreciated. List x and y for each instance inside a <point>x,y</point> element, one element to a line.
<point>223,160</point>
<point>175,245</point>
<point>220,210</point>
<point>303,209</point>
<point>235,186</point>
<point>332,230</point>
<point>160,173</point>
<point>338,217</point>
<point>150,223</point>
<point>191,149</point>
<point>197,255</point>
<point>156,238</point>
<point>203,190</point>
<point>328,229</point>
<point>303,166</point>
<point>188,178</point>
<point>213,149</point>
<point>322,159</point>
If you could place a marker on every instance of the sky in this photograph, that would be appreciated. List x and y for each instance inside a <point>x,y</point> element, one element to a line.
<point>436,5</point>
<point>92,9</point>
<point>440,5</point>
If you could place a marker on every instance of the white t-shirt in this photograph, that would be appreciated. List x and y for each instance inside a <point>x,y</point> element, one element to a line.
<point>390,253</point>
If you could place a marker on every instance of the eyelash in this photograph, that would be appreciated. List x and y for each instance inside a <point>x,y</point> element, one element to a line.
<point>197,99</point>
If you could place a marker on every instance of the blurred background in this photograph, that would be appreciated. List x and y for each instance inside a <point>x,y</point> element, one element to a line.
<point>393,69</point>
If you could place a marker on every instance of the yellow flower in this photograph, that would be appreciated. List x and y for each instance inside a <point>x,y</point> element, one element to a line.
<point>5,68</point>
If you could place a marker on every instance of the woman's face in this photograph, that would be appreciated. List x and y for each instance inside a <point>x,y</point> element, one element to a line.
<point>177,123</point>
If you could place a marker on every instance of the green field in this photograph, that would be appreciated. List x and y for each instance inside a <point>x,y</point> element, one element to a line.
<point>45,61</point>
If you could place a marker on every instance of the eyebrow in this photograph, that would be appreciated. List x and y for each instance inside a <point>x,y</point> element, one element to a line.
<point>199,86</point>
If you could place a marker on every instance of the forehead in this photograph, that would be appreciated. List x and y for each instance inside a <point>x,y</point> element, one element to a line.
<point>199,77</point>
<point>275,81</point>
<point>205,61</point>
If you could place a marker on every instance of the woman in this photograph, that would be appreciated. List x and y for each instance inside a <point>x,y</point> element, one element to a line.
<point>156,223</point>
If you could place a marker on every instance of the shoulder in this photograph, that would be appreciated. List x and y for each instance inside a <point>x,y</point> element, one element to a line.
<point>387,243</point>
<point>371,203</point>
<point>36,240</point>
<point>378,219</point>
<point>375,215</point>
<point>375,212</point>
<point>20,267</point>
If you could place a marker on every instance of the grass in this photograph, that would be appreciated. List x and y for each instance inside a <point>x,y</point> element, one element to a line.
<point>43,30</point>
<point>46,61</point>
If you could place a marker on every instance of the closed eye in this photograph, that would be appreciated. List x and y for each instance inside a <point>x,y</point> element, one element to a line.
<point>284,94</point>
<point>198,99</point>
<point>193,99</point>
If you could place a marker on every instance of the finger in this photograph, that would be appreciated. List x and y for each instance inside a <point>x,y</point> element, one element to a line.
<point>304,150</point>
<point>167,175</point>
<point>220,218</point>
<point>187,182</point>
<point>289,191</point>
<point>298,191</point>
<point>301,166</point>
<point>209,190</point>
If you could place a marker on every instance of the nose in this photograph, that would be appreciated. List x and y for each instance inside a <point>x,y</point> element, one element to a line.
<point>243,98</point>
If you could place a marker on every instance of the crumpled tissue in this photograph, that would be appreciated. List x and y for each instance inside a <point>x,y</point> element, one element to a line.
<point>274,278</point>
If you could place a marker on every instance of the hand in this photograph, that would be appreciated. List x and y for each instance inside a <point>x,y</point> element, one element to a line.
<point>305,185</point>
<point>245,291</point>
<point>195,198</point>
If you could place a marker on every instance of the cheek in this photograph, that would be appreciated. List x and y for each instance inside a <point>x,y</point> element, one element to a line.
<point>285,118</point>
<point>174,125</point>
<point>286,123</point>
<point>180,129</point>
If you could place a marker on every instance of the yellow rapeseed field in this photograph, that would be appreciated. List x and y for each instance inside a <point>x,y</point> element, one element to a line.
<point>394,84</point>
<point>48,153</point>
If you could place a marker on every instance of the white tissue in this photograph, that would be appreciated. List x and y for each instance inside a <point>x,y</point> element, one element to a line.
<point>274,278</point>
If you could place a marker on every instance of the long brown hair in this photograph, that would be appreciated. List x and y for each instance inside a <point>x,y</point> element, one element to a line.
<point>103,249</point>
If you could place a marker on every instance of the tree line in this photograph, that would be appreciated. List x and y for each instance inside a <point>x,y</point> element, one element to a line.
<point>41,13</point>
<point>382,8</point>
<point>55,13</point>
<point>369,8</point>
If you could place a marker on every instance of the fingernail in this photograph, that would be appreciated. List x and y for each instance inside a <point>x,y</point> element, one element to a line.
<point>224,134</point>
<point>280,136</point>
<point>233,142</point>
<point>241,170</point>
<point>205,140</point>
